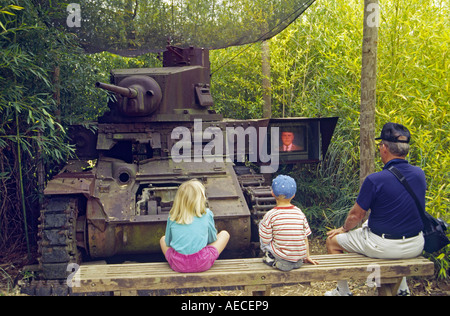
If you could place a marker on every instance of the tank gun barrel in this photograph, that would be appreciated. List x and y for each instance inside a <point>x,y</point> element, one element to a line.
<point>125,92</point>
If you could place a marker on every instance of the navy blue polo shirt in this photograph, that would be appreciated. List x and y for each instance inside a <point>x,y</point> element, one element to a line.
<point>393,210</point>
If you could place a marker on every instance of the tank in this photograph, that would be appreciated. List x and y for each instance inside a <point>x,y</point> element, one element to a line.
<point>161,130</point>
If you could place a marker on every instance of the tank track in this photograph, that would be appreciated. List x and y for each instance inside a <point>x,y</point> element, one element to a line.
<point>46,288</point>
<point>258,197</point>
<point>57,231</point>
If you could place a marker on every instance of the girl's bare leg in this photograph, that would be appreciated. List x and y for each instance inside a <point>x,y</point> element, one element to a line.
<point>162,243</point>
<point>222,240</point>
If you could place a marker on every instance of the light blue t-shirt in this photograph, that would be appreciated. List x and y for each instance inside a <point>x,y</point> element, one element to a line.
<point>191,238</point>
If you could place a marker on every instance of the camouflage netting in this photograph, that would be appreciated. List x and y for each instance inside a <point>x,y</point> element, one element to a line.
<point>131,28</point>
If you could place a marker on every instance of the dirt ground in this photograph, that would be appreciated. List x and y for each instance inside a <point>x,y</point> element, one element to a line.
<point>11,266</point>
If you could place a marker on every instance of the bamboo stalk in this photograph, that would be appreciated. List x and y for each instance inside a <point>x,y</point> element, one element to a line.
<point>22,195</point>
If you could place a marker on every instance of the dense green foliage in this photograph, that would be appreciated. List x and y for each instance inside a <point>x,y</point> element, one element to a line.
<point>315,65</point>
<point>29,131</point>
<point>37,105</point>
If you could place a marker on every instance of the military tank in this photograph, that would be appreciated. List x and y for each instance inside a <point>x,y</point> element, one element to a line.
<point>161,130</point>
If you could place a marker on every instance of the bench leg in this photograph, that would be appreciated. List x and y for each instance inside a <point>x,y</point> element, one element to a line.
<point>389,287</point>
<point>125,293</point>
<point>257,290</point>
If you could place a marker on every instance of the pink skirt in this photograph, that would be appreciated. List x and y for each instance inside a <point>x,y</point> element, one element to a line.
<point>196,262</point>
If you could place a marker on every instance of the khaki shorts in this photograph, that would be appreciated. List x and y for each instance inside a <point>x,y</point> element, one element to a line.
<point>363,241</point>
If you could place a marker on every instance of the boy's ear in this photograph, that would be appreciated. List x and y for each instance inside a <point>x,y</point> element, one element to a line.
<point>271,191</point>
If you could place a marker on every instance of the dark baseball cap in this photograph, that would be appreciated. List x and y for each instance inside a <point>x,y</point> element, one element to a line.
<point>396,133</point>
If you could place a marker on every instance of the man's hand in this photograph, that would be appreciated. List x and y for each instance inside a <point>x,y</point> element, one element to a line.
<point>355,215</point>
<point>335,232</point>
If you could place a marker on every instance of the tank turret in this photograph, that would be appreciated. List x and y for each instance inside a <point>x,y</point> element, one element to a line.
<point>180,91</point>
<point>136,95</point>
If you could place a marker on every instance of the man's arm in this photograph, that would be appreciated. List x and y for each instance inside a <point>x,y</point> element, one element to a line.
<point>355,216</point>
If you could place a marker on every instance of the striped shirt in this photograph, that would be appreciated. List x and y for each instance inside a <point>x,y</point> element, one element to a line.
<point>286,230</point>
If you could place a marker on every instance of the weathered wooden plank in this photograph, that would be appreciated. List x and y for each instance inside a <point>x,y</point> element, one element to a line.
<point>242,272</point>
<point>165,271</point>
<point>234,264</point>
<point>253,264</point>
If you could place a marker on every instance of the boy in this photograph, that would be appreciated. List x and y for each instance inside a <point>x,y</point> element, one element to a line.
<point>284,230</point>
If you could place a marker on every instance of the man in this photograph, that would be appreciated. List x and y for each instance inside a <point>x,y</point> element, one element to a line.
<point>287,138</point>
<point>394,228</point>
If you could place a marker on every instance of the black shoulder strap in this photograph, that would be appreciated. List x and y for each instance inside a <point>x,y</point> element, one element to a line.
<point>408,188</point>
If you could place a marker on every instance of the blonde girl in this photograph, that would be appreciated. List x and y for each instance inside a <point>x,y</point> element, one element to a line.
<point>191,243</point>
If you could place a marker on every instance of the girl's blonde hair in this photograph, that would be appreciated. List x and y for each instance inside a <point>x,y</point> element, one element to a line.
<point>189,201</point>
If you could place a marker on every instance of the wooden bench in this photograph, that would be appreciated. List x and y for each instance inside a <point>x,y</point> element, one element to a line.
<point>252,274</point>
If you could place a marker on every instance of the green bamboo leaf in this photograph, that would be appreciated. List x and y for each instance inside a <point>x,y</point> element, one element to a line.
<point>6,12</point>
<point>16,7</point>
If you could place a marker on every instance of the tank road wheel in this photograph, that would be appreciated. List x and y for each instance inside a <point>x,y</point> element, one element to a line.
<point>57,232</point>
